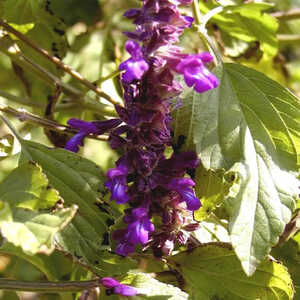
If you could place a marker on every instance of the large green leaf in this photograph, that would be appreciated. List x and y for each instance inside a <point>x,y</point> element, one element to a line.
<point>78,181</point>
<point>24,196</point>
<point>148,288</point>
<point>249,127</point>
<point>212,271</point>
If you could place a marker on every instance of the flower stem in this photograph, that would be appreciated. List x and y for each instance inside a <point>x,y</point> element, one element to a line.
<point>25,116</point>
<point>201,26</point>
<point>48,287</point>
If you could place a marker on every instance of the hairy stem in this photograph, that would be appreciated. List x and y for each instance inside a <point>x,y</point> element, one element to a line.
<point>58,62</point>
<point>25,116</point>
<point>48,287</point>
<point>291,14</point>
<point>201,23</point>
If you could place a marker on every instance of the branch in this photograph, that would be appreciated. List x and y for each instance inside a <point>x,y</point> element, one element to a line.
<point>25,116</point>
<point>289,38</point>
<point>48,287</point>
<point>287,15</point>
<point>58,63</point>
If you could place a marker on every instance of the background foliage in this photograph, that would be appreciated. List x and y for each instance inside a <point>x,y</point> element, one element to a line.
<point>55,216</point>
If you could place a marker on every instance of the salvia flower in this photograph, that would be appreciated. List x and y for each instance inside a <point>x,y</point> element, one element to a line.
<point>113,286</point>
<point>85,128</point>
<point>136,66</point>
<point>151,184</point>
<point>196,74</point>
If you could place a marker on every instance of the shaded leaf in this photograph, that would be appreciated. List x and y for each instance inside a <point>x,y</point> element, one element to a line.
<point>54,266</point>
<point>83,242</point>
<point>212,271</point>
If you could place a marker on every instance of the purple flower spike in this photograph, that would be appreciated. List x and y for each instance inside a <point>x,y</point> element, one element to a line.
<point>85,128</point>
<point>196,74</point>
<point>182,187</point>
<point>115,287</point>
<point>134,67</point>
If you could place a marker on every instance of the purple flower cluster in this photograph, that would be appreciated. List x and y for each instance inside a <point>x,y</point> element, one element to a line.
<point>144,178</point>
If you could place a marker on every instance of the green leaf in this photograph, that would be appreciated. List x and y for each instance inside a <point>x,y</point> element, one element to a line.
<point>78,181</point>
<point>148,288</point>
<point>81,182</point>
<point>27,187</point>
<point>249,127</point>
<point>79,11</point>
<point>23,195</point>
<point>209,188</point>
<point>212,271</point>
<point>21,11</point>
<point>6,146</point>
<point>33,231</point>
<point>24,28</point>
<point>247,22</point>
<point>83,242</point>
<point>289,254</point>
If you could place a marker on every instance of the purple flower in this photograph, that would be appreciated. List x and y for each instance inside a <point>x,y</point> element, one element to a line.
<point>136,66</point>
<point>137,231</point>
<point>85,128</point>
<point>182,187</point>
<point>196,74</point>
<point>115,287</point>
<point>117,181</point>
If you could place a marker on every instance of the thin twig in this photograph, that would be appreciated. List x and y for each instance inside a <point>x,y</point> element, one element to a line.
<point>58,63</point>
<point>289,38</point>
<point>26,116</point>
<point>48,287</point>
<point>291,14</point>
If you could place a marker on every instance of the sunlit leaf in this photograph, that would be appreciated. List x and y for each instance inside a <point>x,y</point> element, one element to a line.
<point>249,127</point>
<point>148,288</point>
<point>24,196</point>
<point>6,146</point>
<point>213,271</point>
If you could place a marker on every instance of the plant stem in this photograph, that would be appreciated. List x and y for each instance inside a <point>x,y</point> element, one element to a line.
<point>20,100</point>
<point>109,76</point>
<point>58,63</point>
<point>25,116</point>
<point>291,14</point>
<point>48,287</point>
<point>201,23</point>
<point>289,38</point>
